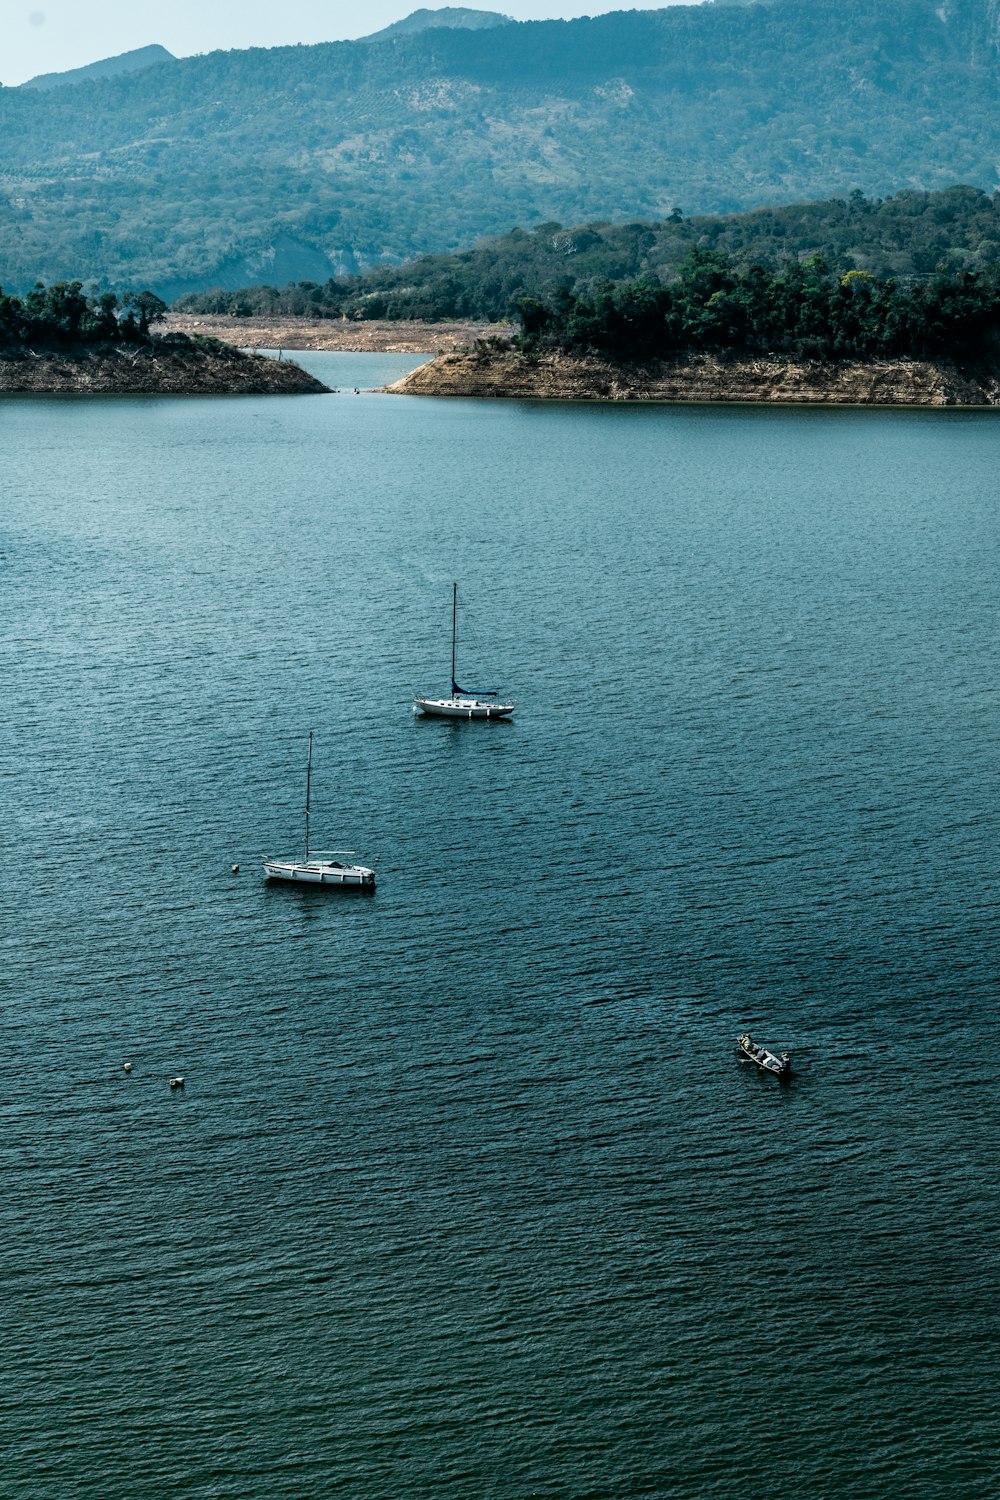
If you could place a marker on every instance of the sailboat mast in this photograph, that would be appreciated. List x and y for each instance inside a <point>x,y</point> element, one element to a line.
<point>309,768</point>
<point>454,631</point>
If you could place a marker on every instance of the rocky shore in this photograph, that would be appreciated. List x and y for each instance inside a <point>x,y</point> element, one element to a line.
<point>169,365</point>
<point>559,377</point>
<point>338,335</point>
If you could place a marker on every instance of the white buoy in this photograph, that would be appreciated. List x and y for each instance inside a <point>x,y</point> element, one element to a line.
<point>127,1067</point>
<point>235,869</point>
<point>177,1083</point>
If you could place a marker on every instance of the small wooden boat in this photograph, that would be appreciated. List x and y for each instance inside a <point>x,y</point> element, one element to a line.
<point>769,1062</point>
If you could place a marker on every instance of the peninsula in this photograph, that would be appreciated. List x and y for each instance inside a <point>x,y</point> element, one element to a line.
<point>59,341</point>
<point>720,331</point>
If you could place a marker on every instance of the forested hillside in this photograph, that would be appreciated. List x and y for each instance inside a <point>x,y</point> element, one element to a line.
<point>304,162</point>
<point>907,237</point>
<point>807,311</point>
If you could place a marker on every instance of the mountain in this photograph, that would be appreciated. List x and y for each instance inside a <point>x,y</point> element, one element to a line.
<point>449,15</point>
<point>331,158</point>
<point>109,67</point>
<point>909,237</point>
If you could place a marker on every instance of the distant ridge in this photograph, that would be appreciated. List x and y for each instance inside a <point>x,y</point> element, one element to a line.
<point>456,16</point>
<point>108,67</point>
<point>309,162</point>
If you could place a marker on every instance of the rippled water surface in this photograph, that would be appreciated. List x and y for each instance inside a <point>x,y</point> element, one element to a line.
<point>466,1194</point>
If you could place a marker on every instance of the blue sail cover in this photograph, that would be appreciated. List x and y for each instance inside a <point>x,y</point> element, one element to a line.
<point>458,692</point>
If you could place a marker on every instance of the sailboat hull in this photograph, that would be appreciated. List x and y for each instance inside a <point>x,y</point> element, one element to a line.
<point>461,705</point>
<point>462,708</point>
<point>319,872</point>
<point>319,868</point>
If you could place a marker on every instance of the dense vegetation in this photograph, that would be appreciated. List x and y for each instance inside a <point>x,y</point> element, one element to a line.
<point>64,315</point>
<point>805,311</point>
<point>906,237</point>
<point>312,162</point>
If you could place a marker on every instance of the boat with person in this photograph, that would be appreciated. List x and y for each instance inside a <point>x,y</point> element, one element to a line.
<point>769,1062</point>
<point>479,703</point>
<point>320,867</point>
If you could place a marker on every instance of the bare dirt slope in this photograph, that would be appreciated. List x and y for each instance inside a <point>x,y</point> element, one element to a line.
<point>337,335</point>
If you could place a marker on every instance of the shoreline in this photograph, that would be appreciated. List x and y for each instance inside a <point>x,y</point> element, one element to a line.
<point>335,335</point>
<point>700,380</point>
<point>166,366</point>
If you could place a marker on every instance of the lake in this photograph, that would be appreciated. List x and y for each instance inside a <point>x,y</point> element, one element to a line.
<point>466,1193</point>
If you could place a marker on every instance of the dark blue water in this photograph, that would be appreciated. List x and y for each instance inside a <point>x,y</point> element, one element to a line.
<point>466,1194</point>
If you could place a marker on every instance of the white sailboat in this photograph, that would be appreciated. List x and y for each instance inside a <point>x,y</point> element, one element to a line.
<point>481,704</point>
<point>319,867</point>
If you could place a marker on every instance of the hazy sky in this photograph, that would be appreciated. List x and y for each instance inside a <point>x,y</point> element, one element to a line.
<point>49,36</point>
